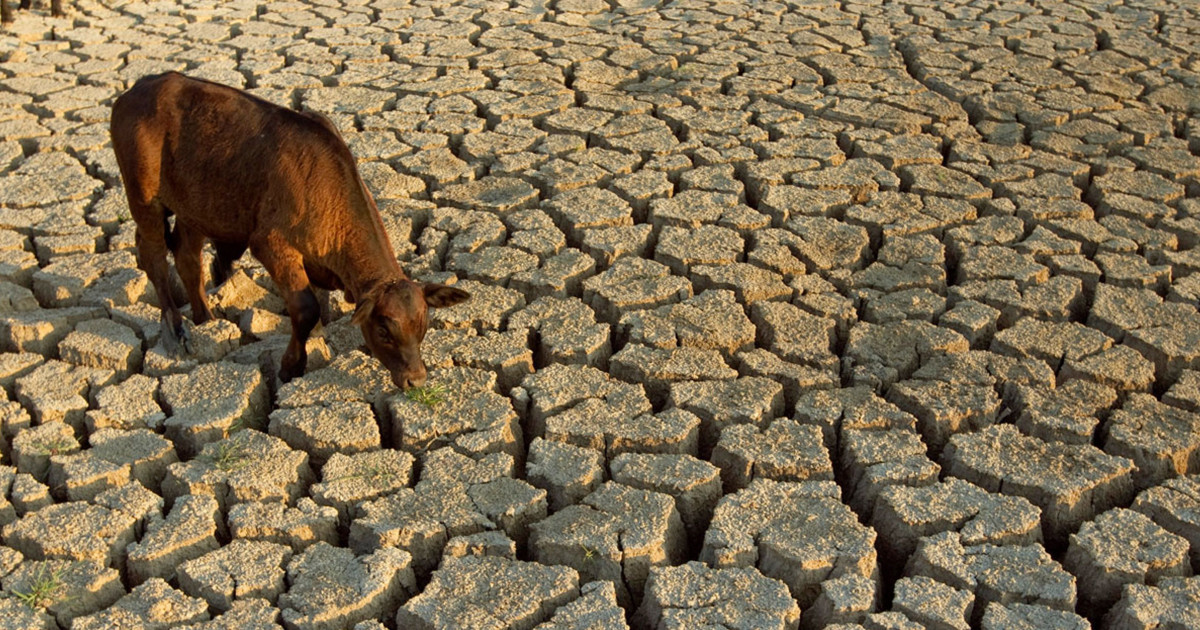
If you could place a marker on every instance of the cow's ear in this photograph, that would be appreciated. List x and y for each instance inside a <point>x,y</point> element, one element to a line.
<point>441,296</point>
<point>363,311</point>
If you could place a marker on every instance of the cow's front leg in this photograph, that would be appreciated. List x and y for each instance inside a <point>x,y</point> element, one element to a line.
<point>305,313</point>
<point>286,267</point>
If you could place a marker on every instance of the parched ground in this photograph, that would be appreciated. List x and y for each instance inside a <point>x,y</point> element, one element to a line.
<point>785,315</point>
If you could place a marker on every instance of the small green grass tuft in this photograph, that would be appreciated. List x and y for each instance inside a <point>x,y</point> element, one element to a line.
<point>430,396</point>
<point>42,588</point>
<point>588,554</point>
<point>228,457</point>
<point>236,425</point>
<point>378,472</point>
<point>54,446</point>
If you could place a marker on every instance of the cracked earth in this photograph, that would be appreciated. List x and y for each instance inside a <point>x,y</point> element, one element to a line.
<point>800,314</point>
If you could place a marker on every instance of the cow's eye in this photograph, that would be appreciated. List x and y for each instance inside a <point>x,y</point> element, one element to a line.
<point>384,334</point>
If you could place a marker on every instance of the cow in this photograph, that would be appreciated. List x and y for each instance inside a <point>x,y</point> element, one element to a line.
<point>6,14</point>
<point>240,172</point>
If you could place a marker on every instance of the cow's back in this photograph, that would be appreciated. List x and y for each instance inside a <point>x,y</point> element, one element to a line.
<point>218,158</point>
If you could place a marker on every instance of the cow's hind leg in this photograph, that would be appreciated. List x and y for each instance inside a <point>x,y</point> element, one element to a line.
<point>222,265</point>
<point>286,267</point>
<point>151,240</point>
<point>188,257</point>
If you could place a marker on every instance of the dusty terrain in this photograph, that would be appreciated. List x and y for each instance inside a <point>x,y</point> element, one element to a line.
<point>786,314</point>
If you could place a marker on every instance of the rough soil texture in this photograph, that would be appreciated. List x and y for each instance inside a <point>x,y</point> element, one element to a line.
<point>795,314</point>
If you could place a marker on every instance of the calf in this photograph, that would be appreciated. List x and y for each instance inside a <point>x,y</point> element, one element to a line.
<point>6,9</point>
<point>244,173</point>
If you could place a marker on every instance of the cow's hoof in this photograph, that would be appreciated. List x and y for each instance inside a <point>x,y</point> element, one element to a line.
<point>187,345</point>
<point>177,340</point>
<point>289,372</point>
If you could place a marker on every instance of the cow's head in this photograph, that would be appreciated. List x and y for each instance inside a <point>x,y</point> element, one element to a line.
<point>393,322</point>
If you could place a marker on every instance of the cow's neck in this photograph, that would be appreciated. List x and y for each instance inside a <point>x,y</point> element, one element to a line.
<point>360,274</point>
<point>364,258</point>
<point>366,261</point>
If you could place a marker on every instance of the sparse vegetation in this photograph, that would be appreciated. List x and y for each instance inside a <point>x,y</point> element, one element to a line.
<point>228,457</point>
<point>235,426</point>
<point>430,396</point>
<point>378,472</point>
<point>54,445</point>
<point>42,589</point>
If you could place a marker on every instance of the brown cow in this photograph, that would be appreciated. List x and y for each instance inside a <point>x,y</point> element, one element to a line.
<point>242,172</point>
